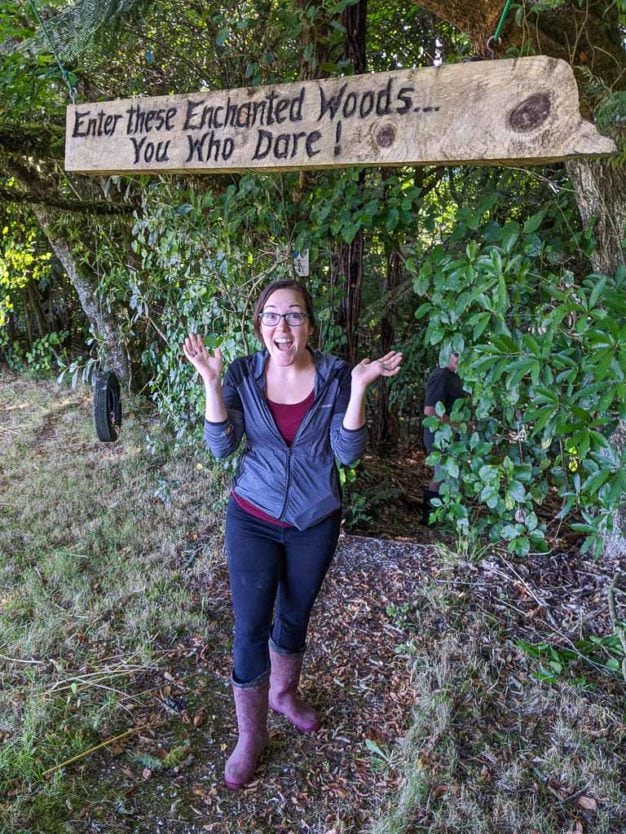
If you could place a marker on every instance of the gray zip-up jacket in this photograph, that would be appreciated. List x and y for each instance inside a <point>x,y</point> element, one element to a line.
<point>297,484</point>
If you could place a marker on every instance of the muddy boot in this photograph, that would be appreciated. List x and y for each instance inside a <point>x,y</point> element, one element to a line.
<point>427,507</point>
<point>284,697</point>
<point>251,708</point>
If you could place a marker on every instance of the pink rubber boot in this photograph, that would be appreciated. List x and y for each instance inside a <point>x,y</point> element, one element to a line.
<point>284,697</point>
<point>251,709</point>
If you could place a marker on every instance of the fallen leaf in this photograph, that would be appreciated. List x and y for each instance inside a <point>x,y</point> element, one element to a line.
<point>588,803</point>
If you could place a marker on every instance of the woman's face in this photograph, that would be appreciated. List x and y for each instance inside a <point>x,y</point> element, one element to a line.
<point>286,343</point>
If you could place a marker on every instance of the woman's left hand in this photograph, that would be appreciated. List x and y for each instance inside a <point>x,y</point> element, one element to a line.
<point>367,371</point>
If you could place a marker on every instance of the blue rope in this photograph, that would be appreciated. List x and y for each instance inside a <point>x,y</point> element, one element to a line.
<point>66,78</point>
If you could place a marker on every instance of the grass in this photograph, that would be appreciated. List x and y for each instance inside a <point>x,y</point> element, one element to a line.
<point>107,553</point>
<point>95,576</point>
<point>492,751</point>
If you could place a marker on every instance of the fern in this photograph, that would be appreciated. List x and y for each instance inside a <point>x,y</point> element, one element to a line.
<point>74,30</point>
<point>611,111</point>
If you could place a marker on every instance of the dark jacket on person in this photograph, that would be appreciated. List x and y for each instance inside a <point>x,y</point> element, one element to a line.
<point>445,386</point>
<point>297,483</point>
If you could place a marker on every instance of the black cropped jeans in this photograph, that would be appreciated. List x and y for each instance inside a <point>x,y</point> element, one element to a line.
<point>275,576</point>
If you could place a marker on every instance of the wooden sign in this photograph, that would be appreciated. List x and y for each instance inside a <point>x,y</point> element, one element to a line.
<point>481,113</point>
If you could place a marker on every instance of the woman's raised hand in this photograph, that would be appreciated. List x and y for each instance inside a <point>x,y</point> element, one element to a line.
<point>367,371</point>
<point>209,366</point>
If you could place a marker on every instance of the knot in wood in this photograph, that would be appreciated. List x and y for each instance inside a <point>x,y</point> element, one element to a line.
<point>531,113</point>
<point>386,136</point>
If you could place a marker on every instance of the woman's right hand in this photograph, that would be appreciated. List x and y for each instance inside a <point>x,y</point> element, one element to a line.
<point>209,367</point>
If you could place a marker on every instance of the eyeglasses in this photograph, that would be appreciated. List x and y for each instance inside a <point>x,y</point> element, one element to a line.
<point>293,319</point>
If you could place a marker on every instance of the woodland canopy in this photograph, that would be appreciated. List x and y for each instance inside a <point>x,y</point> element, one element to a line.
<point>519,269</point>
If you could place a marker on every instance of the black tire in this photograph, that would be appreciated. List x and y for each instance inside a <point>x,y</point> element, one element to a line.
<point>107,407</point>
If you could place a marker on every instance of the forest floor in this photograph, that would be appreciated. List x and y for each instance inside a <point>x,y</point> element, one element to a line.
<point>460,691</point>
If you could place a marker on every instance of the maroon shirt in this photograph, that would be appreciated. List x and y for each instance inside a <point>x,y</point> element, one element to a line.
<point>288,419</point>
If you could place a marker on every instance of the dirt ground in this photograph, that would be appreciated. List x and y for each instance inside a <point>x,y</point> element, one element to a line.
<point>336,781</point>
<point>392,600</point>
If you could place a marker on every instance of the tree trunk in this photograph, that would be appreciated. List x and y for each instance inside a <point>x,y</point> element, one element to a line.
<point>385,433</point>
<point>85,283</point>
<point>29,330</point>
<point>33,301</point>
<point>587,35</point>
<point>355,22</point>
<point>350,255</point>
<point>600,189</point>
<point>350,272</point>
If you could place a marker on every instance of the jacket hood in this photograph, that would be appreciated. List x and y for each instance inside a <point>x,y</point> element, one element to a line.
<point>324,364</point>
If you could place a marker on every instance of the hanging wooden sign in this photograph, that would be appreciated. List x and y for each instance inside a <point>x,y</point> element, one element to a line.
<point>522,111</point>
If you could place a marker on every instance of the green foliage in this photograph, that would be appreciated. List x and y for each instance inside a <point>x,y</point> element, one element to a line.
<point>498,262</point>
<point>199,270</point>
<point>200,256</point>
<point>21,261</point>
<point>544,357</point>
<point>172,759</point>
<point>44,356</point>
<point>356,509</point>
<point>381,757</point>
<point>604,654</point>
<point>73,29</point>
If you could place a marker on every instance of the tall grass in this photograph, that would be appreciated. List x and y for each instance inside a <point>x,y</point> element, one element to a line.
<point>492,751</point>
<point>95,580</point>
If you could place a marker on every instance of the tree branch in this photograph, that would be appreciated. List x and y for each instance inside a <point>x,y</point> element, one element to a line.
<point>9,196</point>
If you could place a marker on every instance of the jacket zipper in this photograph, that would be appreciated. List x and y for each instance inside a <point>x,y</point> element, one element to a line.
<point>310,414</point>
<point>284,507</point>
<point>307,419</point>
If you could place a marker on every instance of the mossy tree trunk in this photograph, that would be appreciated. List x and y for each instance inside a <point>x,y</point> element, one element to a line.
<point>84,280</point>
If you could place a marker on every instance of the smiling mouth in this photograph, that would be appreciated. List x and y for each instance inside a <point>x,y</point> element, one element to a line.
<point>283,344</point>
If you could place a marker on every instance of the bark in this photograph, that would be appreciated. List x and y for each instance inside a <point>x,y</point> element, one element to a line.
<point>601,197</point>
<point>385,431</point>
<point>32,301</point>
<point>85,282</point>
<point>8,195</point>
<point>83,279</point>
<point>32,139</point>
<point>355,20</point>
<point>350,272</point>
<point>600,188</point>
<point>29,329</point>
<point>350,255</point>
<point>586,36</point>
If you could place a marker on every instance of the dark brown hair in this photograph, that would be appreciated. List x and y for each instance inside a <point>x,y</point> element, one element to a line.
<point>284,284</point>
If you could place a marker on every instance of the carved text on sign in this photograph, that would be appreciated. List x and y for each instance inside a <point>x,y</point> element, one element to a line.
<point>481,113</point>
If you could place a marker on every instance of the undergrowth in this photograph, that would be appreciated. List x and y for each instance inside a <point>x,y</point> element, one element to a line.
<point>105,550</point>
<point>492,749</point>
<point>99,546</point>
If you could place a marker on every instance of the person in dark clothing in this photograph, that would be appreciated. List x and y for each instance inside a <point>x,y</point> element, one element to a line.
<point>443,385</point>
<point>300,410</point>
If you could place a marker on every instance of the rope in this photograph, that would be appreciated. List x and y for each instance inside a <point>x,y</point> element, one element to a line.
<point>64,74</point>
<point>496,35</point>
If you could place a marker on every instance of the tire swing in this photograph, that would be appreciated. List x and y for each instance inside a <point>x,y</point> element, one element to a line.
<point>107,406</point>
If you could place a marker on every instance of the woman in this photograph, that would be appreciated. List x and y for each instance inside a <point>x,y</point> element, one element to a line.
<point>299,409</point>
